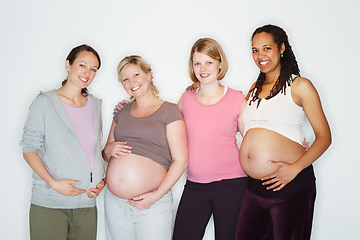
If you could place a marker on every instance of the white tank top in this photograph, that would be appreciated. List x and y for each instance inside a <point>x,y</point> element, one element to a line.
<point>279,113</point>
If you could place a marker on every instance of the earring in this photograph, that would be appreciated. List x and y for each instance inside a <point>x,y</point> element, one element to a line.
<point>282,55</point>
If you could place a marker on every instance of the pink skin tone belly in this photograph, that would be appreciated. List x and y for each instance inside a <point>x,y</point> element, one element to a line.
<point>259,146</point>
<point>133,175</point>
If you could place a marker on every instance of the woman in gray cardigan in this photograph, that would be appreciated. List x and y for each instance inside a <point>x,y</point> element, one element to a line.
<point>62,144</point>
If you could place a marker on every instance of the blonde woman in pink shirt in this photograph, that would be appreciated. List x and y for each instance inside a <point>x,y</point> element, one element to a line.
<point>216,182</point>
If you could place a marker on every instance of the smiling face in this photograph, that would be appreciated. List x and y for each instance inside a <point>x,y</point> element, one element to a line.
<point>83,70</point>
<point>206,69</point>
<point>135,82</point>
<point>266,53</point>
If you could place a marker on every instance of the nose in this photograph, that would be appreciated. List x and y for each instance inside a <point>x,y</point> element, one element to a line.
<point>132,81</point>
<point>87,72</point>
<point>203,67</point>
<point>261,54</point>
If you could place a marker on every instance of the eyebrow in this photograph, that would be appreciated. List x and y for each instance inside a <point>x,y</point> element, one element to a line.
<point>87,63</point>
<point>265,45</point>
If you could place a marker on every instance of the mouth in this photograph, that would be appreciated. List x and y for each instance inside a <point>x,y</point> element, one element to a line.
<point>135,88</point>
<point>263,63</point>
<point>83,79</point>
<point>204,75</point>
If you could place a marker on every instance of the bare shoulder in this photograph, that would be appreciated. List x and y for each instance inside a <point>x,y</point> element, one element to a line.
<point>302,89</point>
<point>302,83</point>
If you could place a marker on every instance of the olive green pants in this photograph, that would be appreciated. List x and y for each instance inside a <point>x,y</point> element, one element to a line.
<point>62,224</point>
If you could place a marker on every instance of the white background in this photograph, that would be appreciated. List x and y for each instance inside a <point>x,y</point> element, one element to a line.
<point>36,37</point>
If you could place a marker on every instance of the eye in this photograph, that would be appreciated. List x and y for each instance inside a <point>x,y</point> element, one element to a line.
<point>254,51</point>
<point>196,64</point>
<point>267,48</point>
<point>94,70</point>
<point>136,74</point>
<point>125,79</point>
<point>82,65</point>
<point>210,62</point>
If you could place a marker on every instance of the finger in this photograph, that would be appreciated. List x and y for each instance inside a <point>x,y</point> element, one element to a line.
<point>137,199</point>
<point>124,150</point>
<point>268,177</point>
<point>76,182</point>
<point>274,186</point>
<point>77,191</point>
<point>133,203</point>
<point>91,194</point>
<point>95,191</point>
<point>92,190</point>
<point>276,163</point>
<point>122,144</point>
<point>271,181</point>
<point>101,184</point>
<point>279,187</point>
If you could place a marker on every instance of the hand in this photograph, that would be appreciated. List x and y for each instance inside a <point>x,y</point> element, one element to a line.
<point>117,149</point>
<point>119,106</point>
<point>93,192</point>
<point>193,87</point>
<point>305,144</point>
<point>65,187</point>
<point>143,201</point>
<point>285,174</point>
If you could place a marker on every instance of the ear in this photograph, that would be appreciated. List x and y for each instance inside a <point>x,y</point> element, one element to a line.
<point>149,75</point>
<point>282,48</point>
<point>67,65</point>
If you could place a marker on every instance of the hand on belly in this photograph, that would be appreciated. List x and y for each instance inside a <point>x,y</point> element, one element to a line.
<point>264,152</point>
<point>285,174</point>
<point>133,175</point>
<point>144,201</point>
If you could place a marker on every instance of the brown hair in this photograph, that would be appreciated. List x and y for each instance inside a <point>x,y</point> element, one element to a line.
<point>74,53</point>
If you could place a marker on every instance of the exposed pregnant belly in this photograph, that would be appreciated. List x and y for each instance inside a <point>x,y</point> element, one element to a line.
<point>133,175</point>
<point>259,146</point>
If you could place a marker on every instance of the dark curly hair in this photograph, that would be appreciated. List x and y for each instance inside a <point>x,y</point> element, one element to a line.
<point>288,63</point>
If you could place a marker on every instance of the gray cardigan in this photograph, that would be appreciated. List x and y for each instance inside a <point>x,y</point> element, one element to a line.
<point>49,132</point>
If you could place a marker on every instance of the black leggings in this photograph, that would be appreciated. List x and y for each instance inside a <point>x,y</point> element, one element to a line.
<point>199,200</point>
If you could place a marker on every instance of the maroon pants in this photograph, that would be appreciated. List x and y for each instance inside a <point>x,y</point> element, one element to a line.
<point>284,218</point>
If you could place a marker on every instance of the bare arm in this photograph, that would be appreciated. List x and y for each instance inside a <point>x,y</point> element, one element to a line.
<point>114,149</point>
<point>177,139</point>
<point>64,187</point>
<point>305,95</point>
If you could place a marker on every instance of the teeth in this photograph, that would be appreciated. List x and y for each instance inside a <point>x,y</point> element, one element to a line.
<point>204,75</point>
<point>83,79</point>
<point>263,63</point>
<point>135,88</point>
